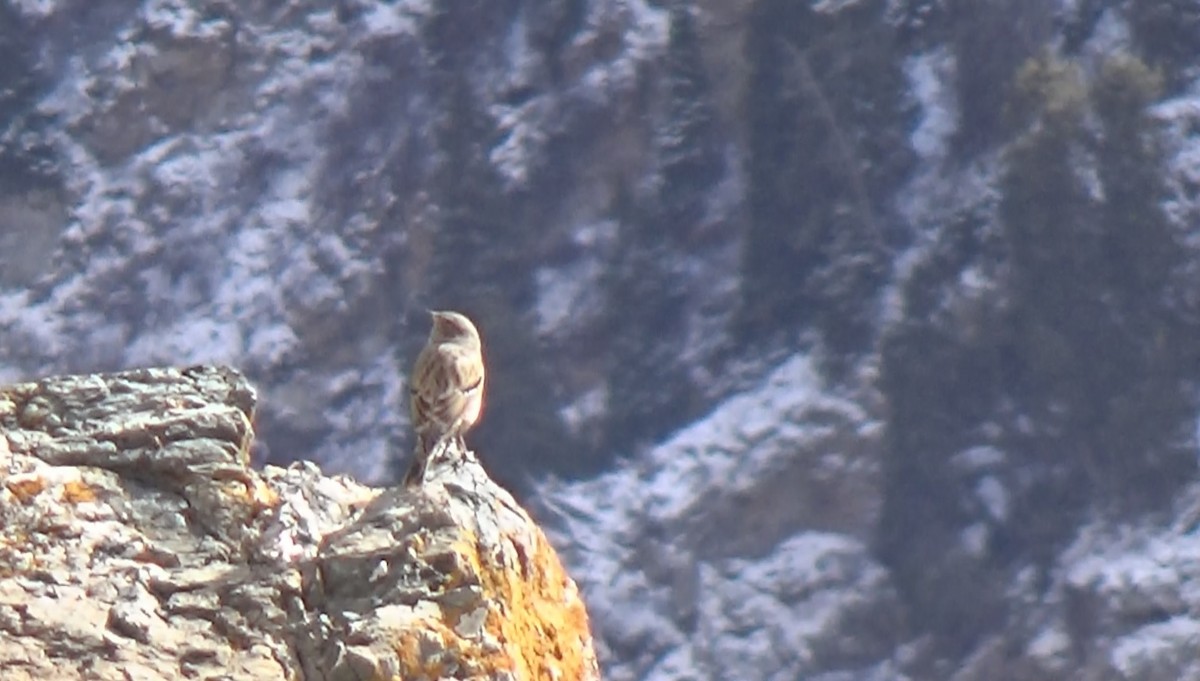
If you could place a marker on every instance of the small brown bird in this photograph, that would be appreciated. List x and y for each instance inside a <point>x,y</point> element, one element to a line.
<point>446,388</point>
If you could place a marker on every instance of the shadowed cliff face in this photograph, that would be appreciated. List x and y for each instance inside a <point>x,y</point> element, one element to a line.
<point>905,284</point>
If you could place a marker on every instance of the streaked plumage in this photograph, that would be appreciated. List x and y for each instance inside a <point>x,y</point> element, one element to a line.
<point>446,388</point>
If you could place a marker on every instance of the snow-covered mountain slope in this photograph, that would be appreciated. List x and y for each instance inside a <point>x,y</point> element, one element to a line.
<point>736,548</point>
<point>836,340</point>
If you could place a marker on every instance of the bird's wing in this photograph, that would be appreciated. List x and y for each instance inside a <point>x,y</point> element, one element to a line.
<point>445,375</point>
<point>463,367</point>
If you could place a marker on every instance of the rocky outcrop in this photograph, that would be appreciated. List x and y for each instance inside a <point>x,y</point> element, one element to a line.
<point>136,543</point>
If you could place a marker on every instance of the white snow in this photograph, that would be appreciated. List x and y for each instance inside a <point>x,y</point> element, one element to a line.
<point>979,458</point>
<point>833,6</point>
<point>568,294</point>
<point>180,18</point>
<point>587,408</point>
<point>187,341</point>
<point>994,496</point>
<point>1159,651</point>
<point>1136,573</point>
<point>1051,648</point>
<point>563,292</point>
<point>929,75</point>
<point>36,9</point>
<point>389,19</point>
<point>1182,116</point>
<point>785,599</point>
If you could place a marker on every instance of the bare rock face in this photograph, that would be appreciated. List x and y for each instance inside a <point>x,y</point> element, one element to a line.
<point>135,543</point>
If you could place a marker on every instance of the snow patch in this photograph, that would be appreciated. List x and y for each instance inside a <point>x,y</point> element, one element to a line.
<point>979,458</point>
<point>1158,651</point>
<point>587,408</point>
<point>179,18</point>
<point>833,6</point>
<point>929,76</point>
<point>385,19</point>
<point>995,498</point>
<point>187,341</point>
<point>795,597</point>
<point>35,9</point>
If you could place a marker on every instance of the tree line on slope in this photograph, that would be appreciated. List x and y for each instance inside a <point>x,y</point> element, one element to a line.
<point>1076,362</point>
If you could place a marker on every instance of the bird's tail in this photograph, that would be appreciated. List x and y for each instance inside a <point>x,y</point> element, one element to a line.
<point>420,458</point>
<point>416,472</point>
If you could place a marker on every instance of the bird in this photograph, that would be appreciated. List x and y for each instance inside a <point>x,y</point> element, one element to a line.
<point>445,389</point>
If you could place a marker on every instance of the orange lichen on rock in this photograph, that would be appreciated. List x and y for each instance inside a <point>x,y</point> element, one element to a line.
<point>411,650</point>
<point>542,619</point>
<point>534,625</point>
<point>25,487</point>
<point>77,492</point>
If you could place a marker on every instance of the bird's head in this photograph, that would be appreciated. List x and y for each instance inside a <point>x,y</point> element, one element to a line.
<point>452,326</point>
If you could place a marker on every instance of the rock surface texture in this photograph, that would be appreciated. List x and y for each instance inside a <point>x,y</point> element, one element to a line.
<point>136,544</point>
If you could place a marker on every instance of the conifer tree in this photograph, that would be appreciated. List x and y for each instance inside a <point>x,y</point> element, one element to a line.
<point>649,388</point>
<point>1051,227</point>
<point>941,379</point>
<point>773,253</point>
<point>552,23</point>
<point>827,137</point>
<point>1131,164</point>
<point>689,157</point>
<point>16,82</point>
<point>1167,34</point>
<point>990,40</point>
<point>26,157</point>
<point>475,215</point>
<point>1097,339</point>
<point>1149,353</point>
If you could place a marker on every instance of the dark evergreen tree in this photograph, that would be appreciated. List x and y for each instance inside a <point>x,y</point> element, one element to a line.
<point>1150,352</point>
<point>1057,311</point>
<point>827,135</point>
<point>1167,34</point>
<point>27,160</point>
<point>476,244</point>
<point>1131,163</point>
<point>648,388</point>
<point>650,391</point>
<point>16,73</point>
<point>1098,340</point>
<point>990,40</point>
<point>942,377</point>
<point>775,260</point>
<point>1080,23</point>
<point>480,242</point>
<point>1076,364</point>
<point>689,154</point>
<point>552,23</point>
<point>450,33</point>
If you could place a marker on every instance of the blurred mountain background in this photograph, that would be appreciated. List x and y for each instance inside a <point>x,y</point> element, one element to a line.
<point>837,340</point>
